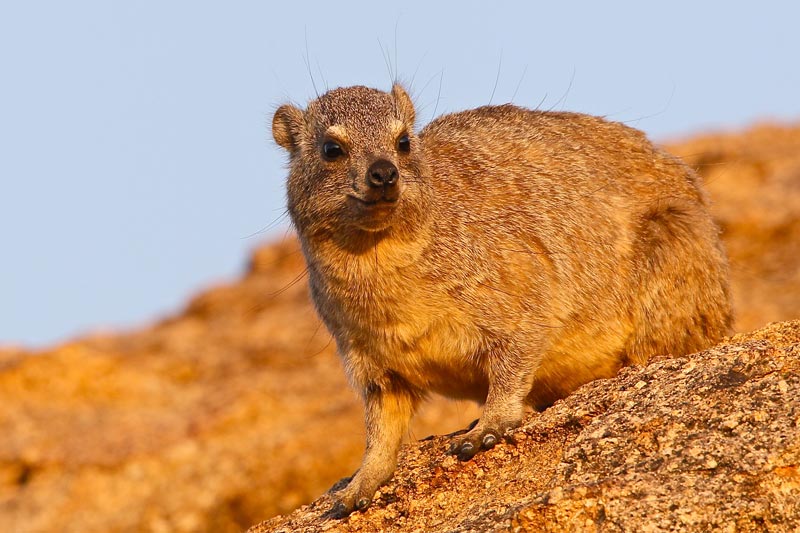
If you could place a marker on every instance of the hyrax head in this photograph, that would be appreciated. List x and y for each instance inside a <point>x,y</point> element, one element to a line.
<point>355,163</point>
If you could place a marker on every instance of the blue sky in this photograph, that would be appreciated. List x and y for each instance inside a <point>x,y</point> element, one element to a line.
<point>135,156</point>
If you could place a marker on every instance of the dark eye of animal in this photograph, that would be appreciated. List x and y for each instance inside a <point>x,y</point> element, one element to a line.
<point>404,144</point>
<point>332,150</point>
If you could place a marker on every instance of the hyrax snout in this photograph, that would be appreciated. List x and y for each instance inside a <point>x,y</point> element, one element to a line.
<point>501,254</point>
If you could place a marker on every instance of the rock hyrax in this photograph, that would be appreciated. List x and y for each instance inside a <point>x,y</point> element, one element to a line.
<point>500,254</point>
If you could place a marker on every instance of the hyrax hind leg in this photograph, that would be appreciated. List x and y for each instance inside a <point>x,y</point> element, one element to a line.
<point>683,300</point>
<point>510,369</point>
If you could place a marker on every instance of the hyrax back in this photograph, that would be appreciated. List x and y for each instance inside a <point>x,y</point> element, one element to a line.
<point>501,254</point>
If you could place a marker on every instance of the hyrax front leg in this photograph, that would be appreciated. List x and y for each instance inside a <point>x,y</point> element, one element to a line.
<point>510,375</point>
<point>388,411</point>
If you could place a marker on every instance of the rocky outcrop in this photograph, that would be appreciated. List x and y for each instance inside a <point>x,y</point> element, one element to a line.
<point>236,409</point>
<point>709,442</point>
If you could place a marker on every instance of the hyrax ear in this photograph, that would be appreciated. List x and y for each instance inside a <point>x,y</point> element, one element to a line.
<point>404,103</point>
<point>287,125</point>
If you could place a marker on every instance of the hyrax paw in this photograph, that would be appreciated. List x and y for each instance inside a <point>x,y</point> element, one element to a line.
<point>466,446</point>
<point>341,509</point>
<point>349,499</point>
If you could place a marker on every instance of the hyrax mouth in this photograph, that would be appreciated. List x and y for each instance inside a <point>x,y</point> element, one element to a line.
<point>372,206</point>
<point>374,202</point>
<point>372,214</point>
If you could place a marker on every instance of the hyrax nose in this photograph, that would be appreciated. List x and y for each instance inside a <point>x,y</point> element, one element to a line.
<point>382,173</point>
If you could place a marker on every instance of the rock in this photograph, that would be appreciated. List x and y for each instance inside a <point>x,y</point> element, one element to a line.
<point>236,409</point>
<point>700,443</point>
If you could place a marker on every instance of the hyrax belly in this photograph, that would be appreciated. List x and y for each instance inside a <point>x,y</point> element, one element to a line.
<point>429,345</point>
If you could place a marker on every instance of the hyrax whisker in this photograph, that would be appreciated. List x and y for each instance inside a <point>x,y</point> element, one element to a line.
<point>414,75</point>
<point>321,350</point>
<point>307,61</point>
<point>539,105</point>
<point>288,285</point>
<point>566,93</point>
<point>386,60</point>
<point>396,64</point>
<point>283,216</point>
<point>519,83</point>
<point>497,77</point>
<point>438,93</point>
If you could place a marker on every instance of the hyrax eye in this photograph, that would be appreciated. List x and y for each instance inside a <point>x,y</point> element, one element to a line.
<point>404,144</point>
<point>332,150</point>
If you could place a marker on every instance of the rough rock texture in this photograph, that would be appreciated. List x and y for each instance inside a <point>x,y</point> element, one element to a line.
<point>237,409</point>
<point>709,442</point>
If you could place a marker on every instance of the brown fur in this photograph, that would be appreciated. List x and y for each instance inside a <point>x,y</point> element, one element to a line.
<point>529,252</point>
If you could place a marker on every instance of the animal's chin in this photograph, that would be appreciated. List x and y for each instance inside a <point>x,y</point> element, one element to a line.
<point>375,215</point>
